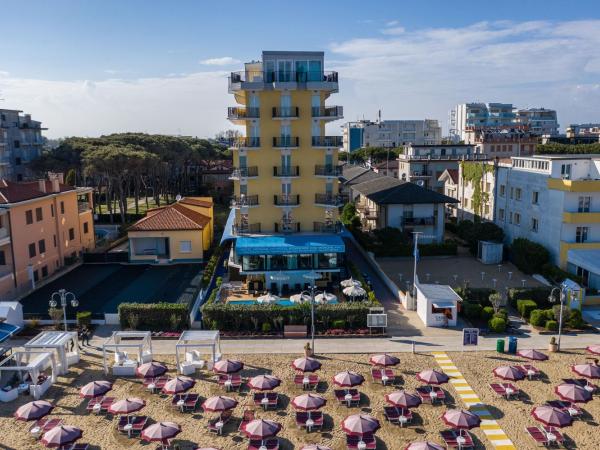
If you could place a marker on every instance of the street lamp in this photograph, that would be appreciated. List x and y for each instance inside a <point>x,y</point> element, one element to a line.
<point>562,298</point>
<point>313,276</point>
<point>63,295</point>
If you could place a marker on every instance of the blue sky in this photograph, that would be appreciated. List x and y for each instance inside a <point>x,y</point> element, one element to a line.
<point>93,67</point>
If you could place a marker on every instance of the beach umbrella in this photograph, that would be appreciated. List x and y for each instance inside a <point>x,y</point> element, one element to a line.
<point>219,403</point>
<point>348,379</point>
<point>160,431</point>
<point>432,377</point>
<point>315,447</point>
<point>60,436</point>
<point>384,360</point>
<point>354,291</point>
<point>350,282</point>
<point>177,385</point>
<point>593,349</point>
<point>126,406</point>
<point>306,364</point>
<point>228,366</point>
<point>553,417</point>
<point>461,419</point>
<point>510,373</point>
<point>264,382</point>
<point>279,276</point>
<point>423,445</point>
<point>95,389</point>
<point>300,298</point>
<point>33,410</point>
<point>534,355</point>
<point>268,299</point>
<point>308,402</point>
<point>325,297</point>
<point>359,424</point>
<point>151,370</point>
<point>261,429</point>
<point>586,370</point>
<point>573,393</point>
<point>403,399</point>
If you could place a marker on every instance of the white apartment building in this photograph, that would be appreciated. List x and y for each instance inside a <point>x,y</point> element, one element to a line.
<point>20,142</point>
<point>539,121</point>
<point>479,115</point>
<point>390,133</point>
<point>584,130</point>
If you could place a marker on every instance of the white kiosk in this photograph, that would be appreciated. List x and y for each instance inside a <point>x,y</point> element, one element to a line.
<point>64,344</point>
<point>131,348</point>
<point>26,372</point>
<point>437,305</point>
<point>190,342</point>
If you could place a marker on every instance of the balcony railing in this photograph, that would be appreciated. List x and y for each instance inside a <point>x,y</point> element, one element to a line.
<point>287,227</point>
<point>237,113</point>
<point>328,200</point>
<point>244,200</point>
<point>83,207</point>
<point>415,221</point>
<point>285,171</point>
<point>285,113</point>
<point>246,142</point>
<point>243,172</point>
<point>247,228</point>
<point>327,141</point>
<point>328,171</point>
<point>470,157</point>
<point>286,200</point>
<point>422,173</point>
<point>260,76</point>
<point>333,112</point>
<point>286,141</point>
<point>327,227</point>
<point>368,213</point>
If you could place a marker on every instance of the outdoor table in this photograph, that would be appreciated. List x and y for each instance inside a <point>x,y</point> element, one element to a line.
<point>227,384</point>
<point>433,396</point>
<point>362,445</point>
<point>305,381</point>
<point>572,412</point>
<point>97,408</point>
<point>589,388</point>
<point>384,379</point>
<point>36,431</point>
<point>262,447</point>
<point>530,373</point>
<point>348,398</point>
<point>509,392</point>
<point>551,437</point>
<point>265,402</point>
<point>152,387</point>
<point>309,424</point>
<point>219,427</point>
<point>128,427</point>
<point>402,420</point>
<point>181,404</point>
<point>460,441</point>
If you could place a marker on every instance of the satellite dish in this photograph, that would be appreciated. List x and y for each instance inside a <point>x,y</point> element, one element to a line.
<point>420,183</point>
<point>178,197</point>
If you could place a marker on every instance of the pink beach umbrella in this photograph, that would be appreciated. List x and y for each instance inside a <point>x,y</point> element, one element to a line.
<point>95,389</point>
<point>348,379</point>
<point>126,406</point>
<point>60,436</point>
<point>359,424</point>
<point>261,429</point>
<point>534,355</point>
<point>177,385</point>
<point>551,416</point>
<point>315,447</point>
<point>573,393</point>
<point>308,402</point>
<point>461,419</point>
<point>150,370</point>
<point>160,431</point>
<point>587,370</point>
<point>33,410</point>
<point>510,373</point>
<point>432,377</point>
<point>593,349</point>
<point>306,364</point>
<point>219,403</point>
<point>384,360</point>
<point>422,445</point>
<point>402,399</point>
<point>264,383</point>
<point>228,366</point>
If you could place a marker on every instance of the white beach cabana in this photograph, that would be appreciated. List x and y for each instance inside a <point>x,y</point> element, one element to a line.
<point>64,344</point>
<point>130,348</point>
<point>26,372</point>
<point>191,342</point>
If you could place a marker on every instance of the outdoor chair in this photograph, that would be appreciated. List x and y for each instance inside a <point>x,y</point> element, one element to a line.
<point>248,416</point>
<point>571,408</point>
<point>451,438</point>
<point>40,426</point>
<point>269,444</point>
<point>216,424</point>
<point>155,384</point>
<point>353,400</point>
<point>230,382</point>
<point>100,404</point>
<point>137,424</point>
<point>554,435</point>
<point>195,357</point>
<point>391,413</point>
<point>185,402</point>
<point>429,394</point>
<point>505,389</point>
<point>352,442</point>
<point>529,371</point>
<point>306,381</point>
<point>537,435</point>
<point>382,376</point>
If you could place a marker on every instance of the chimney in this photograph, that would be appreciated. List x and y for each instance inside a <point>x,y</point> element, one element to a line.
<point>55,184</point>
<point>42,185</point>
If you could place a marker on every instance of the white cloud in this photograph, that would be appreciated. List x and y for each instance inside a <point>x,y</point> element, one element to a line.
<point>3,73</point>
<point>223,61</point>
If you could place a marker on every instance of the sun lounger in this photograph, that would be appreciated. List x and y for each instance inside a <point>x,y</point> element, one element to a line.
<point>247,417</point>
<point>454,439</point>
<point>537,435</point>
<point>266,399</point>
<point>352,442</point>
<point>100,404</point>
<point>185,402</point>
<point>397,415</point>
<point>155,384</point>
<point>349,397</point>
<point>429,394</point>
<point>40,426</point>
<point>383,376</point>
<point>132,425</point>
<point>77,447</point>
<point>230,382</point>
<point>269,444</point>
<point>529,371</point>
<point>307,381</point>
<point>309,420</point>
<point>505,389</point>
<point>554,435</point>
<point>574,410</point>
<point>216,424</point>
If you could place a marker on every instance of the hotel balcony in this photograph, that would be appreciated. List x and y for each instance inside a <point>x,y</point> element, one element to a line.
<point>327,112</point>
<point>286,200</point>
<point>287,227</point>
<point>245,143</point>
<point>327,227</point>
<point>574,185</point>
<point>243,172</point>
<point>465,157</point>
<point>328,171</point>
<point>4,236</point>
<point>247,80</point>
<point>244,201</point>
<point>327,141</point>
<point>328,200</point>
<point>286,172</point>
<point>285,113</point>
<point>286,142</point>
<point>83,207</point>
<point>581,217</point>
<point>366,212</point>
<point>246,228</point>
<point>418,221</point>
<point>239,114</point>
<point>421,174</point>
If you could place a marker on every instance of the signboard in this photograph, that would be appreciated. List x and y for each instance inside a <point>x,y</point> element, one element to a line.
<point>377,320</point>
<point>470,336</point>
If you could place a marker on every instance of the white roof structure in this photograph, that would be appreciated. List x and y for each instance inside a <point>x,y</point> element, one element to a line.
<point>60,343</point>
<point>191,339</point>
<point>588,259</point>
<point>50,339</point>
<point>439,293</point>
<point>31,363</point>
<point>140,341</point>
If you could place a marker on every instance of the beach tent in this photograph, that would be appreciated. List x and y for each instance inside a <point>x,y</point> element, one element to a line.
<point>26,372</point>
<point>126,345</point>
<point>190,343</point>
<point>63,343</point>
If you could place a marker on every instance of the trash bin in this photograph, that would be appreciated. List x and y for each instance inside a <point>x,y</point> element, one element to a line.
<point>500,345</point>
<point>512,345</point>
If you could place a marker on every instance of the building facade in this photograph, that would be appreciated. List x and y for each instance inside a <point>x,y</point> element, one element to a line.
<point>497,143</point>
<point>390,133</point>
<point>45,225</point>
<point>20,142</point>
<point>584,130</point>
<point>539,121</point>
<point>479,115</point>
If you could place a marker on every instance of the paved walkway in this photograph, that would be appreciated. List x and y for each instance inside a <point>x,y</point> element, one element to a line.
<point>489,426</point>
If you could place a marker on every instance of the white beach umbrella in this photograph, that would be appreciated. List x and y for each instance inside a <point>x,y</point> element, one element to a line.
<point>350,282</point>
<point>354,291</point>
<point>268,298</point>
<point>300,298</point>
<point>325,297</point>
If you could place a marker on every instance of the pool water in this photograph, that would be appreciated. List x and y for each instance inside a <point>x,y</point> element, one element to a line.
<point>282,302</point>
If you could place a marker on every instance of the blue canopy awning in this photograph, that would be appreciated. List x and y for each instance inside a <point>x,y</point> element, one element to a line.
<point>288,245</point>
<point>228,230</point>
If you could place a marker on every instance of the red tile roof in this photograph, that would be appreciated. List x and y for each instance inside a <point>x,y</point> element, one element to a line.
<point>171,218</point>
<point>195,201</point>
<point>453,174</point>
<point>12,192</point>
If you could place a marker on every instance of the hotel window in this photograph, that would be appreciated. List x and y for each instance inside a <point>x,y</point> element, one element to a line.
<point>86,228</point>
<point>32,250</point>
<point>565,171</point>
<point>502,190</point>
<point>518,194</point>
<point>584,204</point>
<point>44,271</point>
<point>253,262</point>
<point>29,217</point>
<point>42,246</point>
<point>327,260</point>
<point>305,261</point>
<point>534,225</point>
<point>71,234</point>
<point>581,234</point>
<point>277,262</point>
<point>488,187</point>
<point>62,207</point>
<point>54,239</point>
<point>185,246</point>
<point>36,275</point>
<point>535,196</point>
<point>512,193</point>
<point>2,258</point>
<point>39,216</point>
<point>517,218</point>
<point>52,210</point>
<point>501,214</point>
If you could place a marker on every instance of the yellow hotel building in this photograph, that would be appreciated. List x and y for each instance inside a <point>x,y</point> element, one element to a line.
<point>286,199</point>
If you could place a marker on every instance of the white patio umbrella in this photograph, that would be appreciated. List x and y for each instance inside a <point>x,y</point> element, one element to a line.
<point>279,276</point>
<point>350,282</point>
<point>354,291</point>
<point>268,298</point>
<point>300,298</point>
<point>325,297</point>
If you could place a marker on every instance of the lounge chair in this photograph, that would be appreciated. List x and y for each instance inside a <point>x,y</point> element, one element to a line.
<point>155,384</point>
<point>248,416</point>
<point>574,410</point>
<point>529,370</point>
<point>230,382</point>
<point>349,397</point>
<point>429,394</point>
<point>309,420</point>
<point>40,426</point>
<point>185,402</point>
<point>537,435</point>
<point>79,447</point>
<point>137,424</point>
<point>554,435</point>
<point>368,439</point>
<point>383,376</point>
<point>451,438</point>
<point>216,424</point>
<point>505,389</point>
<point>269,444</point>
<point>307,381</point>
<point>397,415</point>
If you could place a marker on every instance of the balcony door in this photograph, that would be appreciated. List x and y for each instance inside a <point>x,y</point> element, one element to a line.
<point>285,103</point>
<point>302,71</point>
<point>284,70</point>
<point>286,165</point>
<point>315,70</point>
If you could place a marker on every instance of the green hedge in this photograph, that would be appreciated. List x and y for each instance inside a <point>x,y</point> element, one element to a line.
<point>497,325</point>
<point>537,318</point>
<point>84,318</point>
<point>552,325</point>
<point>211,265</point>
<point>525,306</point>
<point>487,313</point>
<point>472,310</point>
<point>392,242</point>
<point>529,257</point>
<point>476,295</point>
<point>154,316</point>
<point>538,295</point>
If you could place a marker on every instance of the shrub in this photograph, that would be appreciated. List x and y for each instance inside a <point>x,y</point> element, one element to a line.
<point>537,318</point>
<point>530,257</point>
<point>338,324</point>
<point>84,318</point>
<point>525,307</point>
<point>497,325</point>
<point>501,314</point>
<point>56,314</point>
<point>549,314</point>
<point>557,275</point>
<point>487,313</point>
<point>552,325</point>
<point>566,313</point>
<point>472,310</point>
<point>266,327</point>
<point>538,295</point>
<point>476,295</point>
<point>576,320</point>
<point>154,316</point>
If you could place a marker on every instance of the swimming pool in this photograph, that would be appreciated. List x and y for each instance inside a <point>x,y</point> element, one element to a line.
<point>282,302</point>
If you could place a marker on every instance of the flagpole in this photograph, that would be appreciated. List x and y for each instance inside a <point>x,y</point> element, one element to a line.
<point>416,256</point>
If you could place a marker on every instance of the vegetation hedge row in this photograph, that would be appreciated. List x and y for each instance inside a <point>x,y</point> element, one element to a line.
<point>529,257</point>
<point>480,296</point>
<point>154,316</point>
<point>538,295</point>
<point>525,306</point>
<point>211,265</point>
<point>473,232</point>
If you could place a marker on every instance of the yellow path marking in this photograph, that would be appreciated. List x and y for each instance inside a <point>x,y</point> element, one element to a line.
<point>489,426</point>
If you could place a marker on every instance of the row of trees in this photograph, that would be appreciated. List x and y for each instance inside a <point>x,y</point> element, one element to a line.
<point>373,154</point>
<point>134,165</point>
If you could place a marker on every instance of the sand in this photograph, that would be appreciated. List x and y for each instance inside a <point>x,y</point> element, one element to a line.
<point>100,431</point>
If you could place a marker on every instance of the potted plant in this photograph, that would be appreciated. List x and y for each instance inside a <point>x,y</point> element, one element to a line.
<point>307,350</point>
<point>553,346</point>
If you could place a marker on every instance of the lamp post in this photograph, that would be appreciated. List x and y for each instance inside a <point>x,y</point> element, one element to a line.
<point>313,276</point>
<point>552,299</point>
<point>63,295</point>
